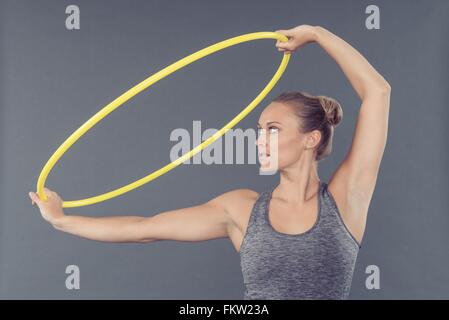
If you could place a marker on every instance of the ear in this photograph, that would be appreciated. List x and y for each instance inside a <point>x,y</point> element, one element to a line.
<point>313,139</point>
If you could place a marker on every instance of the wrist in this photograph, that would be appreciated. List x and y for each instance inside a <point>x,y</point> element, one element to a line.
<point>316,33</point>
<point>60,223</point>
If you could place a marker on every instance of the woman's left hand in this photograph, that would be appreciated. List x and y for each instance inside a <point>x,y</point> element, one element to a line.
<point>297,37</point>
<point>51,209</point>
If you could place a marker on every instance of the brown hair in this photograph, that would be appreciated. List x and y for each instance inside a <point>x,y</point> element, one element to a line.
<point>315,113</point>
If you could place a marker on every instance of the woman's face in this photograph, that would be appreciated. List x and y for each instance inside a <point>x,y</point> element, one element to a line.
<point>280,142</point>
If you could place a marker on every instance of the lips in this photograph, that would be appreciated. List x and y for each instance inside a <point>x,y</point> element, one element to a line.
<point>264,157</point>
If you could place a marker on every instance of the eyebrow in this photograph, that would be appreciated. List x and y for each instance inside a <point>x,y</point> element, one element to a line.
<point>269,122</point>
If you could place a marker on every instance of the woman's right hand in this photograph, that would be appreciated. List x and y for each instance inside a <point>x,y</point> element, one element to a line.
<point>297,37</point>
<point>51,210</point>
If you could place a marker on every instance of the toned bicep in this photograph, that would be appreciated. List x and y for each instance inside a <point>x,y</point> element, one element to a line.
<point>197,223</point>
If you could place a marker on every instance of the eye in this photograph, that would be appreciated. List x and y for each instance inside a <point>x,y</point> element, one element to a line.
<point>273,128</point>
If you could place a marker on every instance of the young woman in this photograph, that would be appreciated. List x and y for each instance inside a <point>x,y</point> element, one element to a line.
<point>300,239</point>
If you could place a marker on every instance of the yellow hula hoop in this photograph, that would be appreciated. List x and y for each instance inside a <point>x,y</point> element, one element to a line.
<point>145,84</point>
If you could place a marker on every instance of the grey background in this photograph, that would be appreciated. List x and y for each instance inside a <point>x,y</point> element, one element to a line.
<point>53,80</point>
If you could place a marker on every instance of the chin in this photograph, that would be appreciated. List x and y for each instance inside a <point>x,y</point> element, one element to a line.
<point>268,167</point>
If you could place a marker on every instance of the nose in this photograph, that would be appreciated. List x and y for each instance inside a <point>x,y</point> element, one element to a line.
<point>261,144</point>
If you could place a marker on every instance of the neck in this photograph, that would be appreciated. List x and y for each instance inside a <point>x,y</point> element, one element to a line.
<point>298,183</point>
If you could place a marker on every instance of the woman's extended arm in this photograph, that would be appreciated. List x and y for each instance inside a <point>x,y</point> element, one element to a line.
<point>196,223</point>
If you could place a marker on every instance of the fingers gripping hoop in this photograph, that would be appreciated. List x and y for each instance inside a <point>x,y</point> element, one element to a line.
<point>145,84</point>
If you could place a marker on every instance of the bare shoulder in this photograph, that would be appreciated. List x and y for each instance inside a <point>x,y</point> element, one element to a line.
<point>235,195</point>
<point>236,201</point>
<point>238,204</point>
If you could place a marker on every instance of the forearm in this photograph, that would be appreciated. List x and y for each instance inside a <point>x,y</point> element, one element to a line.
<point>363,77</point>
<point>106,229</point>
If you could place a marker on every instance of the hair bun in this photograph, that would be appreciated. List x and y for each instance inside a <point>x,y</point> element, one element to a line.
<point>333,110</point>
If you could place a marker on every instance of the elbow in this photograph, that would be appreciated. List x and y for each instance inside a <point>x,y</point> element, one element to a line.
<point>383,89</point>
<point>143,231</point>
<point>145,240</point>
<point>386,88</point>
<point>378,90</point>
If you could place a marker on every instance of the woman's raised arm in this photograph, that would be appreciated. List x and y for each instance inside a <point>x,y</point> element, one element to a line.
<point>353,182</point>
<point>357,174</point>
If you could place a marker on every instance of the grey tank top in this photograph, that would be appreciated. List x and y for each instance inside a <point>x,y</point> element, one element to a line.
<point>316,264</point>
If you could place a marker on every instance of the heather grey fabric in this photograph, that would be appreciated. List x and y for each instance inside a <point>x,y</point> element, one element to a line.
<point>316,264</point>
